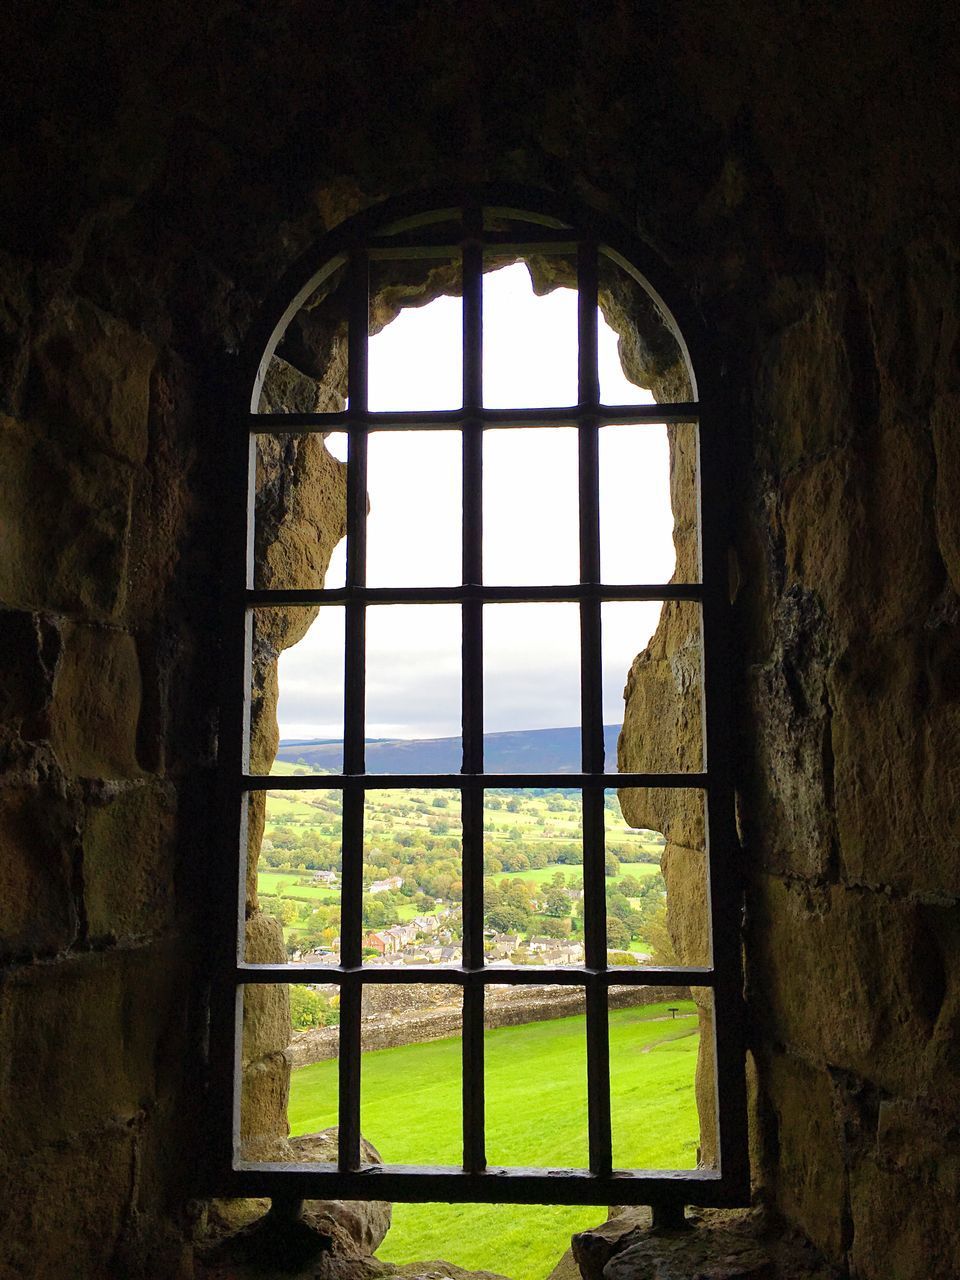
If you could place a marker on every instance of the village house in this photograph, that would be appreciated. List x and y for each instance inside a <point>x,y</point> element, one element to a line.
<point>388,885</point>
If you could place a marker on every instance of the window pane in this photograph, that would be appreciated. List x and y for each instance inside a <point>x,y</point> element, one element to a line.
<point>536,1066</point>
<point>308,372</point>
<point>412,878</point>
<point>314,1052</point>
<point>413,689</point>
<point>289,1026</point>
<point>648,520</point>
<point>531,688</point>
<point>336,575</point>
<point>414,521</point>
<point>654,1044</point>
<point>649,355</point>
<point>530,506</point>
<point>411,1072</point>
<point>297,689</point>
<point>300,511</point>
<point>651,657</point>
<point>533,877</point>
<point>415,358</point>
<point>298,874</point>
<point>658,909</point>
<point>529,342</point>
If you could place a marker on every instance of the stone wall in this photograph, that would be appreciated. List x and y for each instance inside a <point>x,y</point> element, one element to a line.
<point>795,167</point>
<point>413,1014</point>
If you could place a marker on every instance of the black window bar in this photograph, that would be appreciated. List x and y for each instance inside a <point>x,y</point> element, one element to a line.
<point>601,1183</point>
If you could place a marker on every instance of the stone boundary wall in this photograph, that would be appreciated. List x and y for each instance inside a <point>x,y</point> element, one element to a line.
<point>421,1019</point>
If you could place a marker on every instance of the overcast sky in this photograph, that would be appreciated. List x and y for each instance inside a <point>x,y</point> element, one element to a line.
<point>530,529</point>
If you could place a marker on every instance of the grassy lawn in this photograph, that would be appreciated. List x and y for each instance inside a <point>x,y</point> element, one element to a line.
<point>284,884</point>
<point>573,875</point>
<point>410,1109</point>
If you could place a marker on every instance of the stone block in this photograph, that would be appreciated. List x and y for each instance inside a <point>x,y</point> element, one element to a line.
<point>859,980</point>
<point>91,379</point>
<point>902,1226</point>
<point>805,388</point>
<point>945,423</point>
<point>811,1184</point>
<point>264,1095</point>
<point>897,794</point>
<point>858,530</point>
<point>129,859</point>
<point>87,1041</point>
<point>264,940</point>
<point>30,646</point>
<point>38,840</point>
<point>661,727</point>
<point>64,1206</point>
<point>688,907</point>
<point>96,703</point>
<point>266,1006</point>
<point>788,816</point>
<point>68,551</point>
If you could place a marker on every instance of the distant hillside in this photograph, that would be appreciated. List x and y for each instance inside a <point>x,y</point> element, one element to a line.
<point>522,751</point>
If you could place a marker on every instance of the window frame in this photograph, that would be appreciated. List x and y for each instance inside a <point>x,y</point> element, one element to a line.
<point>559,228</point>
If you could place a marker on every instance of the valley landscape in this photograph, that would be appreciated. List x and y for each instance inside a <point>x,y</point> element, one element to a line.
<point>533,915</point>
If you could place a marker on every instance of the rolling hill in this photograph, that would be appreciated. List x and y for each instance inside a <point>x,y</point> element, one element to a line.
<point>521,751</point>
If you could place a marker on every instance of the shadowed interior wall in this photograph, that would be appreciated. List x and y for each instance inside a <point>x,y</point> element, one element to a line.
<point>795,166</point>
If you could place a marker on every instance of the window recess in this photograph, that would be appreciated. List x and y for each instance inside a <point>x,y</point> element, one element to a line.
<point>348,282</point>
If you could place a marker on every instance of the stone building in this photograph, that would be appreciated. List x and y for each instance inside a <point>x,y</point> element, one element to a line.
<point>795,165</point>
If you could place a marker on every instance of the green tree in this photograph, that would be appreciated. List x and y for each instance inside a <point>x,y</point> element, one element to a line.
<point>658,938</point>
<point>618,935</point>
<point>308,1008</point>
<point>556,902</point>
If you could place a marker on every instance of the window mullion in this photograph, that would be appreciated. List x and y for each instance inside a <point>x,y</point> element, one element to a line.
<point>474,1157</point>
<point>351,896</point>
<point>591,715</point>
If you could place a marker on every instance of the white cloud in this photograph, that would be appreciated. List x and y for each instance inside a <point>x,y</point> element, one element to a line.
<point>530,528</point>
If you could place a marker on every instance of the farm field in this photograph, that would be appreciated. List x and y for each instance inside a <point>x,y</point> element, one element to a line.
<point>410,1110</point>
<point>413,868</point>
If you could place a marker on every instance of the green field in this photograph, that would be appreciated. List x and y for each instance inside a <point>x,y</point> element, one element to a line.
<point>285,884</point>
<point>410,1110</point>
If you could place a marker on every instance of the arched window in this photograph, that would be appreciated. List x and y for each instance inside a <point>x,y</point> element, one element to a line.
<point>401,254</point>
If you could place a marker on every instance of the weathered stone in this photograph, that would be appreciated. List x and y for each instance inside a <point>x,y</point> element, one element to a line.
<point>96,703</point>
<point>593,1249</point>
<point>266,1016</point>
<point>350,1224</point>
<point>901,1193</point>
<point>133,897</point>
<point>804,416</point>
<point>38,913</point>
<point>351,1227</point>
<point>301,516</point>
<point>890,772</point>
<point>69,550</point>
<point>790,822</point>
<point>56,1079</point>
<point>946,443</point>
<point>92,380</point>
<point>263,1105</point>
<point>717,1244</point>
<point>64,1206</point>
<point>812,1178</point>
<point>892,949</point>
<point>30,645</point>
<point>566,1268</point>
